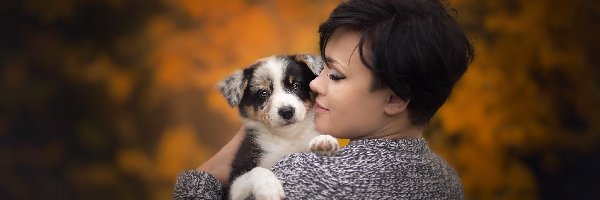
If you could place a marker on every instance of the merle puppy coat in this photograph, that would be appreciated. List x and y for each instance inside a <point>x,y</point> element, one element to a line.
<point>275,103</point>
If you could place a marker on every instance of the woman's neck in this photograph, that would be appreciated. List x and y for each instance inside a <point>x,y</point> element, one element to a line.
<point>396,129</point>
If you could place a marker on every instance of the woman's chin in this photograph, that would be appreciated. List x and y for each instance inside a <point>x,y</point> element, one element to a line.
<point>320,127</point>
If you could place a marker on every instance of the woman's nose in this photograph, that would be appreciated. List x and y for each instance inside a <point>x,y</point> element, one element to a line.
<point>316,85</point>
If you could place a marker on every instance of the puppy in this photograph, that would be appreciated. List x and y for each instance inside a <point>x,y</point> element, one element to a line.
<point>275,102</point>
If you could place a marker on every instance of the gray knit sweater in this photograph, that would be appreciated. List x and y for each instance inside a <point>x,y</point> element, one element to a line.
<point>365,169</point>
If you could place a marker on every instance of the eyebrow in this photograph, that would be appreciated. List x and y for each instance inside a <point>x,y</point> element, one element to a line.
<point>336,65</point>
<point>331,60</point>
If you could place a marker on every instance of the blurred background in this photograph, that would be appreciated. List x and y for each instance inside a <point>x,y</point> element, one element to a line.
<point>112,99</point>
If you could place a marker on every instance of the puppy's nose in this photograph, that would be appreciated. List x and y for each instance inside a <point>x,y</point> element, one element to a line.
<point>286,112</point>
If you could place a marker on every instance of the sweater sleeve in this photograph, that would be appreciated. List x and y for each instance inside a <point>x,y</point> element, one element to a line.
<point>308,176</point>
<point>196,184</point>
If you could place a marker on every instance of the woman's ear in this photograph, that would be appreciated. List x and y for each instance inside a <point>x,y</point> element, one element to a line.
<point>395,105</point>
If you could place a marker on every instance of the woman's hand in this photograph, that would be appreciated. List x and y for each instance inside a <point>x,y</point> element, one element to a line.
<point>220,164</point>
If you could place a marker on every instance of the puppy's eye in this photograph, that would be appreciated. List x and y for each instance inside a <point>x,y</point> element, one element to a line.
<point>263,93</point>
<point>296,86</point>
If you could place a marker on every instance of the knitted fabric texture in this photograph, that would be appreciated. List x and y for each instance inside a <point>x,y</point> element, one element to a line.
<point>365,169</point>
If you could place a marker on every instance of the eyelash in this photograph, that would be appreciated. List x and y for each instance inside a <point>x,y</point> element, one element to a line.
<point>335,77</point>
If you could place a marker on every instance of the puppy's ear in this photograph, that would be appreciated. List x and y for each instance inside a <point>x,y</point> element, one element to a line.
<point>232,87</point>
<point>315,63</point>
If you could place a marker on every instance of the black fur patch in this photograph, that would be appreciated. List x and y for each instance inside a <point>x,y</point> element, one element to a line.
<point>247,156</point>
<point>251,97</point>
<point>298,72</point>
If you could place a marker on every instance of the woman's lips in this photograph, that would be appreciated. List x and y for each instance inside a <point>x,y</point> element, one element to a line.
<point>319,108</point>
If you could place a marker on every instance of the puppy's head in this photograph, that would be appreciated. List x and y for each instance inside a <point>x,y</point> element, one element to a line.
<point>273,91</point>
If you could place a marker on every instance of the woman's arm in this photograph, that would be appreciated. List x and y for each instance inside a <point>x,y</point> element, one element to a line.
<point>220,164</point>
<point>195,184</point>
<point>206,181</point>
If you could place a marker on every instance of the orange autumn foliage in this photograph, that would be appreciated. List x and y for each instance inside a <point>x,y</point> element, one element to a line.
<point>112,99</point>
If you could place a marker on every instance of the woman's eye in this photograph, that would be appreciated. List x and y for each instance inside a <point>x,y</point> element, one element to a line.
<point>335,77</point>
<point>296,86</point>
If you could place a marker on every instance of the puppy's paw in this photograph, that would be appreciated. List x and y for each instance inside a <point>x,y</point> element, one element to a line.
<point>269,190</point>
<point>267,186</point>
<point>324,145</point>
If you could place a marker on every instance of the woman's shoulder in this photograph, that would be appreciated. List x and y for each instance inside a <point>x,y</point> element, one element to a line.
<point>369,169</point>
<point>311,167</point>
<point>302,161</point>
<point>308,175</point>
<point>360,153</point>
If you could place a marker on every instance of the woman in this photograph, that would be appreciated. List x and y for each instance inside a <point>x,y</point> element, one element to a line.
<point>390,65</point>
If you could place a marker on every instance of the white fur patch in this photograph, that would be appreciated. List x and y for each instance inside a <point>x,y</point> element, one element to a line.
<point>259,181</point>
<point>324,145</point>
<point>282,99</point>
<point>274,67</point>
<point>286,140</point>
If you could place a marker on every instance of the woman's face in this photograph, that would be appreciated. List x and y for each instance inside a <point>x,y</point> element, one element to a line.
<point>345,106</point>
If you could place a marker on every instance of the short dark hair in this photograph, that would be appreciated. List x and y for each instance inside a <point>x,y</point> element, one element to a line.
<point>417,49</point>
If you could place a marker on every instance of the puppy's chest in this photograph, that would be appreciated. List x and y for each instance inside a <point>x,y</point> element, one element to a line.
<point>274,148</point>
